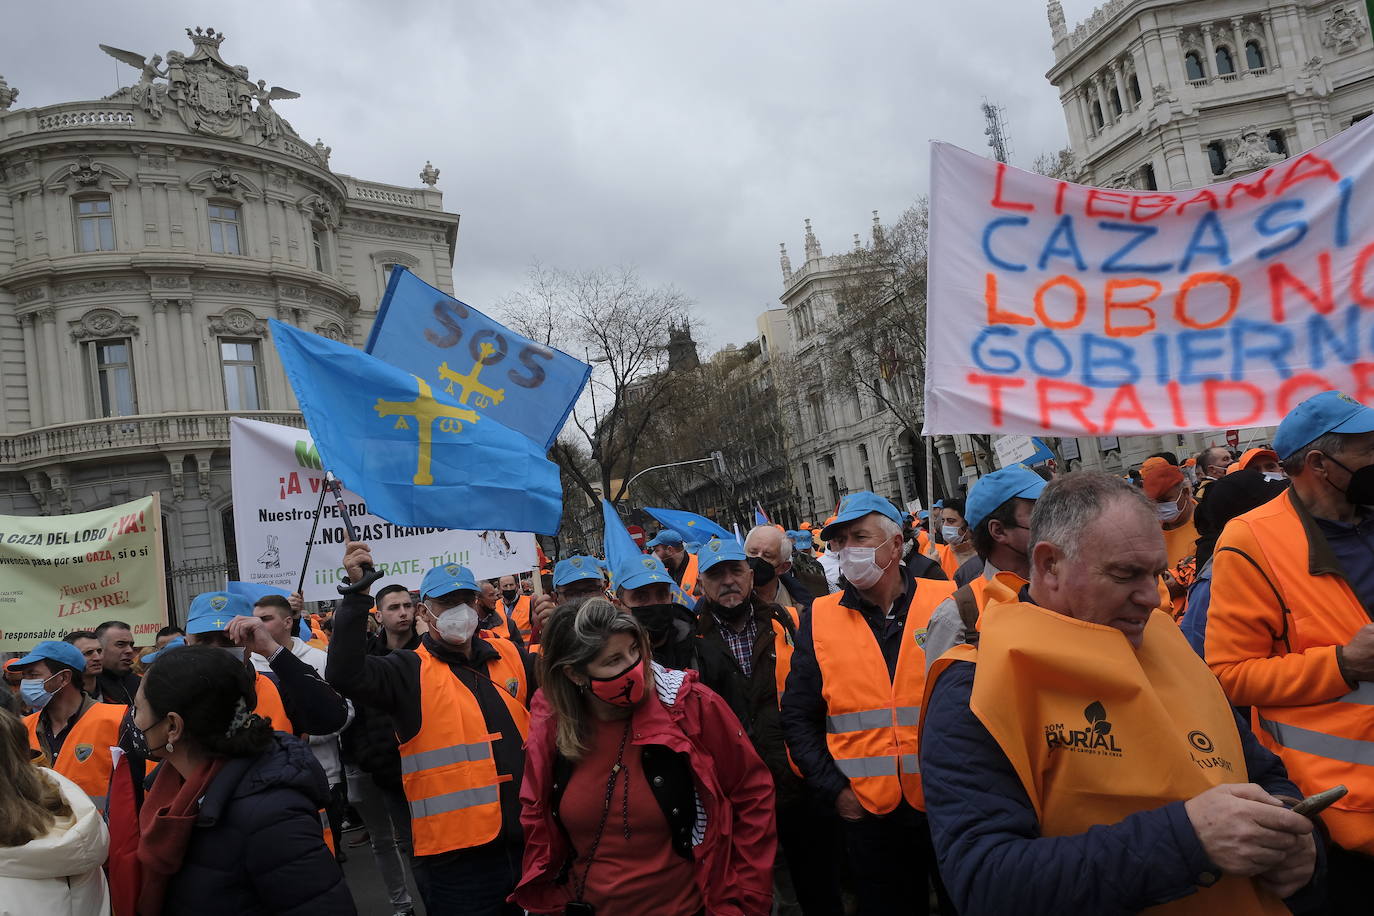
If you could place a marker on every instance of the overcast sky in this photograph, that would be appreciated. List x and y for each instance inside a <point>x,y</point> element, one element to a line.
<point>686,139</point>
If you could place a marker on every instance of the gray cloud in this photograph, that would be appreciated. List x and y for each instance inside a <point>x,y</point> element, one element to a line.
<point>686,139</point>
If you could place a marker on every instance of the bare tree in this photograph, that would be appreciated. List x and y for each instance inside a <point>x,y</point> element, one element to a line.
<point>623,328</point>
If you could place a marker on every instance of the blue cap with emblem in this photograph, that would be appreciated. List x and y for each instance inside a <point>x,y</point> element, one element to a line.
<point>575,569</point>
<point>641,570</point>
<point>666,536</point>
<point>856,506</point>
<point>717,550</point>
<point>54,650</point>
<point>447,579</point>
<point>171,644</point>
<point>210,612</point>
<point>988,493</point>
<point>1328,412</point>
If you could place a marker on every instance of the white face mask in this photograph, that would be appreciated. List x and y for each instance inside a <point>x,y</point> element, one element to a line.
<point>1275,476</point>
<point>951,534</point>
<point>457,624</point>
<point>1167,511</point>
<point>860,566</point>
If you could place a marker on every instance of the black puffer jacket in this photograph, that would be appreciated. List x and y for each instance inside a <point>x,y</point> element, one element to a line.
<point>258,844</point>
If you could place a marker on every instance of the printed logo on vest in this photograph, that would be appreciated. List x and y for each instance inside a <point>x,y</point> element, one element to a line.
<point>84,752</point>
<point>1199,742</point>
<point>1096,739</point>
<point>513,686</point>
<point>920,634</point>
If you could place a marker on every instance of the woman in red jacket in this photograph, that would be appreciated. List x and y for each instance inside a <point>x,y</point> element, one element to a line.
<point>642,793</point>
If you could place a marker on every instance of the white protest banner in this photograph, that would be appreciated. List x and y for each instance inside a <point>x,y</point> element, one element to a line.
<point>74,572</point>
<point>276,477</point>
<point>1062,309</point>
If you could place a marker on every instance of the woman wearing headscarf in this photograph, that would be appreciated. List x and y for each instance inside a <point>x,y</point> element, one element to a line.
<point>641,794</point>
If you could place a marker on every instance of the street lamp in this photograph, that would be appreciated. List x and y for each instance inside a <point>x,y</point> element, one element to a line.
<point>716,458</point>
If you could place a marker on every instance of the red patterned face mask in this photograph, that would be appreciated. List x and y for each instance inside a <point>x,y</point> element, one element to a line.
<point>623,689</point>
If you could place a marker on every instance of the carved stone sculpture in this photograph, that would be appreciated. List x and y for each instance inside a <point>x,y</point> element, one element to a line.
<point>7,95</point>
<point>429,174</point>
<point>1250,152</point>
<point>147,94</point>
<point>1343,30</point>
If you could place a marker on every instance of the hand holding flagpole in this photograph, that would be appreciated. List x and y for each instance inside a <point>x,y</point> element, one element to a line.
<point>369,573</point>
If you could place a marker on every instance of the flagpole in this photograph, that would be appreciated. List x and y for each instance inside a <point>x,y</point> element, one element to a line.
<point>310,544</point>
<point>370,574</point>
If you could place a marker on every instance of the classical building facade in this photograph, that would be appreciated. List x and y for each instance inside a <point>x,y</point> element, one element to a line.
<point>840,439</point>
<point>1163,94</point>
<point>145,239</point>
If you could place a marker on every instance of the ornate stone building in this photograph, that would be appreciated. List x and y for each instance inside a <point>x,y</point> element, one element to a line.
<point>1165,94</point>
<point>145,239</point>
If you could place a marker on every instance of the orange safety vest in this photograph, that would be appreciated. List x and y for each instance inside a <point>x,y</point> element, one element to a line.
<point>270,705</point>
<point>1097,730</point>
<point>447,768</point>
<point>521,615</point>
<point>870,720</point>
<point>85,756</point>
<point>689,575</point>
<point>1304,710</point>
<point>783,647</point>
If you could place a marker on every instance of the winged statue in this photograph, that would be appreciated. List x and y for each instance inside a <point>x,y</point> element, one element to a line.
<point>272,123</point>
<point>146,93</point>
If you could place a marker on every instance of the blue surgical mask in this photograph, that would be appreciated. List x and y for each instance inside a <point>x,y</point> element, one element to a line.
<point>33,692</point>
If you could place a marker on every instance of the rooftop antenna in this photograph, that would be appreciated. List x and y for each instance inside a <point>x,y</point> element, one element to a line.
<point>998,138</point>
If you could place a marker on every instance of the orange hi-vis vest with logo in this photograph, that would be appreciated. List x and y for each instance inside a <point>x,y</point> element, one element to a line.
<point>1098,730</point>
<point>85,756</point>
<point>521,615</point>
<point>871,720</point>
<point>447,769</point>
<point>1273,631</point>
<point>689,575</point>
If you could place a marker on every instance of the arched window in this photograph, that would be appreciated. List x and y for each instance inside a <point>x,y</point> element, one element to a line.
<point>1097,116</point>
<point>1116,103</point>
<point>1225,64</point>
<point>1254,55</point>
<point>1277,142</point>
<point>1192,62</point>
<point>1216,155</point>
<point>1134,85</point>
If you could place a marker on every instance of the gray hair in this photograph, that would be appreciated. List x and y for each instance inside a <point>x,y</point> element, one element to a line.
<point>1329,443</point>
<point>771,531</point>
<point>1072,502</point>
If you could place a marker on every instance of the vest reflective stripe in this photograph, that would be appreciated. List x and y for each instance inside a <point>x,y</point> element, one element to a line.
<point>857,767</point>
<point>443,756</point>
<point>455,801</point>
<point>1098,731</point>
<point>1328,740</point>
<point>871,720</point>
<point>85,756</point>
<point>1320,744</point>
<point>447,769</point>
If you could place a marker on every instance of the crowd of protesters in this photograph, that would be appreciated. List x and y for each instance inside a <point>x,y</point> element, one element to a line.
<point>1058,694</point>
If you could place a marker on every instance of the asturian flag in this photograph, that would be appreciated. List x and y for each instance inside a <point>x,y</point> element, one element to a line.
<point>523,385</point>
<point>418,457</point>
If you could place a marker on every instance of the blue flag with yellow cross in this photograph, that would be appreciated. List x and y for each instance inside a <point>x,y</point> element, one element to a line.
<point>474,359</point>
<point>417,456</point>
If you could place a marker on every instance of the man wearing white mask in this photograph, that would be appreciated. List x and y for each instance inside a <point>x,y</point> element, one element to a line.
<point>456,698</point>
<point>852,703</point>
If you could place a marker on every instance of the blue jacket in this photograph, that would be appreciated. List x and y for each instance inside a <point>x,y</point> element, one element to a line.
<point>258,843</point>
<point>1194,622</point>
<point>993,859</point>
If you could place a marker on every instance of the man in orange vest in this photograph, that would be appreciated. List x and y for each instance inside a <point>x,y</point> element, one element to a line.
<point>668,546</point>
<point>518,607</point>
<point>1081,758</point>
<point>999,511</point>
<point>758,637</point>
<point>853,700</point>
<point>73,732</point>
<point>460,707</point>
<point>1289,629</point>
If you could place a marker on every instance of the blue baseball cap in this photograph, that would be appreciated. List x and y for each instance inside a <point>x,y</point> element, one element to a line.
<point>856,506</point>
<point>575,569</point>
<point>642,570</point>
<point>923,515</point>
<point>171,644</point>
<point>210,612</point>
<point>990,492</point>
<point>54,650</point>
<point>1328,412</point>
<point>718,551</point>
<point>447,579</point>
<point>666,536</point>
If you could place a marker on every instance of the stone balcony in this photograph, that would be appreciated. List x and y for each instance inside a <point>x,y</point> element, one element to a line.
<point>110,437</point>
